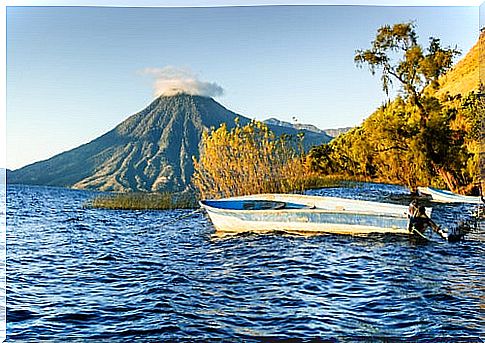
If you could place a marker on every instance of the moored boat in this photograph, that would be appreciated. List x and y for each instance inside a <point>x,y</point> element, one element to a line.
<point>449,197</point>
<point>304,213</point>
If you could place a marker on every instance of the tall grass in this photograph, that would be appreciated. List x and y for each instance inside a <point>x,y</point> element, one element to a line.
<point>143,201</point>
<point>249,159</point>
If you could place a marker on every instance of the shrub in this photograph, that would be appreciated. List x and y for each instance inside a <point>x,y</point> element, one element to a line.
<point>249,159</point>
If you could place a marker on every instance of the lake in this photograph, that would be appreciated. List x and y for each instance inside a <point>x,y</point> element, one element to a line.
<point>75,273</point>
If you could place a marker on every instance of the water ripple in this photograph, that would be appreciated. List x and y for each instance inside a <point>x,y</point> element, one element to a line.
<point>75,273</point>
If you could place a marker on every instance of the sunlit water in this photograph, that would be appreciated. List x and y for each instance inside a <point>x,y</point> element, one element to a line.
<point>143,275</point>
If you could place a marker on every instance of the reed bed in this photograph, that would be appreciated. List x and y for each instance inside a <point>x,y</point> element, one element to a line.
<point>249,159</point>
<point>143,201</point>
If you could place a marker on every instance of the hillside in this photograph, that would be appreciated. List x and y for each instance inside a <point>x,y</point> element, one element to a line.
<point>465,75</point>
<point>150,151</point>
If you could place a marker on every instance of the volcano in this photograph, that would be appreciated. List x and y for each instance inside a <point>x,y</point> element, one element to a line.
<point>151,151</point>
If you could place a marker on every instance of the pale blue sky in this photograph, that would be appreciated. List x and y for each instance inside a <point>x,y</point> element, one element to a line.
<point>74,73</point>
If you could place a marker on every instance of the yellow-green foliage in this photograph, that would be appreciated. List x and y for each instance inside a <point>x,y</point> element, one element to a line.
<point>248,160</point>
<point>389,145</point>
<point>429,135</point>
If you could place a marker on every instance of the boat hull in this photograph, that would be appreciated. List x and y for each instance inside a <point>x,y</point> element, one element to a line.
<point>318,214</point>
<point>449,197</point>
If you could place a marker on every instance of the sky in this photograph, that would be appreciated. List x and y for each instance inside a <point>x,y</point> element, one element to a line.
<point>74,73</point>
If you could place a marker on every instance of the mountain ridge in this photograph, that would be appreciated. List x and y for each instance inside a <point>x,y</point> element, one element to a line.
<point>149,151</point>
<point>308,127</point>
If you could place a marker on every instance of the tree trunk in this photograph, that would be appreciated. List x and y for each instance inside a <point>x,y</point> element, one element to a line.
<point>423,114</point>
<point>450,180</point>
<point>470,189</point>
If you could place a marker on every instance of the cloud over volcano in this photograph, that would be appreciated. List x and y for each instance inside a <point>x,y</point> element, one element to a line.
<point>171,80</point>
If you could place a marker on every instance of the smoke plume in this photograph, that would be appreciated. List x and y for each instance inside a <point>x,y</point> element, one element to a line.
<point>172,80</point>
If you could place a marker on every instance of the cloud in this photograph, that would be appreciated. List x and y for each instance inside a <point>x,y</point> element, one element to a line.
<point>171,80</point>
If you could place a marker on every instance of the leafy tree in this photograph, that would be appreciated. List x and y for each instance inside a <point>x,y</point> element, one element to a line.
<point>396,52</point>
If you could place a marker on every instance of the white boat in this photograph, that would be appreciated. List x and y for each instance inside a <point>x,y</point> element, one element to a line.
<point>449,197</point>
<point>303,213</point>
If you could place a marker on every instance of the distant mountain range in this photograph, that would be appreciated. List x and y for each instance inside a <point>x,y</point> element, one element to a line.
<point>150,151</point>
<point>308,127</point>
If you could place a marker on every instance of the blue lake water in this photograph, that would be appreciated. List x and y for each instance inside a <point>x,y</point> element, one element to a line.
<point>140,275</point>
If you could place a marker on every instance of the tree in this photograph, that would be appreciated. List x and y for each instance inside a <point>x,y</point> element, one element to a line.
<point>396,52</point>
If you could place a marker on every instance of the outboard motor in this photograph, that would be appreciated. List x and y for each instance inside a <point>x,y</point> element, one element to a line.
<point>455,234</point>
<point>419,221</point>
